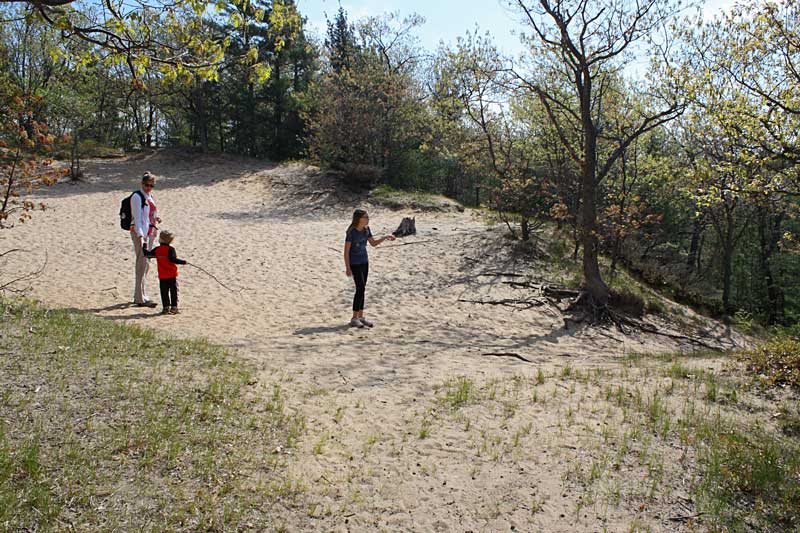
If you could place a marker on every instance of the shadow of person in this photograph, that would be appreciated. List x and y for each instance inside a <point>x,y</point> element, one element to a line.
<point>141,314</point>
<point>132,317</point>
<point>114,307</point>
<point>322,329</point>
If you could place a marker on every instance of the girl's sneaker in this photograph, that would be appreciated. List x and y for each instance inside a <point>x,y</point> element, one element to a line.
<point>356,323</point>
<point>366,322</point>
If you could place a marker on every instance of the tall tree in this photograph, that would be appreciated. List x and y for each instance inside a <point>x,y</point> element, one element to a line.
<point>340,41</point>
<point>578,46</point>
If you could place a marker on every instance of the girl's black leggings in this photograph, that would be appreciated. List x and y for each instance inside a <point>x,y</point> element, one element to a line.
<point>360,273</point>
<point>169,292</point>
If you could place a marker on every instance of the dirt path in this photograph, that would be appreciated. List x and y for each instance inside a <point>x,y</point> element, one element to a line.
<point>380,453</point>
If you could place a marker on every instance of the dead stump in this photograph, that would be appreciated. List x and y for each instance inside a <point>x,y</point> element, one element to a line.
<point>407,227</point>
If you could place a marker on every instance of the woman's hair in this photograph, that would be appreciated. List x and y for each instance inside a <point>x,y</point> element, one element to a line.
<point>166,237</point>
<point>357,214</point>
<point>147,176</point>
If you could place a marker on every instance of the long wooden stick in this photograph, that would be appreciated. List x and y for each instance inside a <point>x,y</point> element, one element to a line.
<point>209,274</point>
<point>407,244</point>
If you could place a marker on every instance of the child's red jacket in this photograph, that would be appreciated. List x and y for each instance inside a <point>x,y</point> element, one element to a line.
<point>167,261</point>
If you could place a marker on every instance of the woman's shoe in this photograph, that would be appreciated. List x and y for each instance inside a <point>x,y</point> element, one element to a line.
<point>356,323</point>
<point>174,311</point>
<point>366,322</point>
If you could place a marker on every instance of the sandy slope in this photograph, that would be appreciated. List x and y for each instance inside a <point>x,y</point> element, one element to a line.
<point>278,246</point>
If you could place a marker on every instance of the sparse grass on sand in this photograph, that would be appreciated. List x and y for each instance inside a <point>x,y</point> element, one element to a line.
<point>682,442</point>
<point>111,427</point>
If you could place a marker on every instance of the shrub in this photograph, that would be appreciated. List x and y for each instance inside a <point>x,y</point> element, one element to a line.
<point>627,301</point>
<point>778,359</point>
<point>359,176</point>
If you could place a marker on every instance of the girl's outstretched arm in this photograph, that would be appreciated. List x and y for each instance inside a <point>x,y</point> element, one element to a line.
<point>375,242</point>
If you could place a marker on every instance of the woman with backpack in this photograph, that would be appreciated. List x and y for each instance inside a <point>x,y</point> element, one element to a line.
<point>143,234</point>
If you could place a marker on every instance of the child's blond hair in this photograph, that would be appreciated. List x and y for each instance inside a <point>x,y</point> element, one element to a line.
<point>166,237</point>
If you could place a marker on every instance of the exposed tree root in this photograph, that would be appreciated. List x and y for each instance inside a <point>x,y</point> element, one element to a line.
<point>583,309</point>
<point>508,302</point>
<point>523,284</point>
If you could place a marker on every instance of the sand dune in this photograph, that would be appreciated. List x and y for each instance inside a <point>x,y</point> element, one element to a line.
<point>274,234</point>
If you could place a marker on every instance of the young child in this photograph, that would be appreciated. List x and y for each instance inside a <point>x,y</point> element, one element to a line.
<point>356,262</point>
<point>167,271</point>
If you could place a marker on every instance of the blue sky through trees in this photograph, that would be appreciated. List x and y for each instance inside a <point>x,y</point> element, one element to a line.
<point>447,19</point>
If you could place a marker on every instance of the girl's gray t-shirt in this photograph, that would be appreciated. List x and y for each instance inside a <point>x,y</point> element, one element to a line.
<point>358,245</point>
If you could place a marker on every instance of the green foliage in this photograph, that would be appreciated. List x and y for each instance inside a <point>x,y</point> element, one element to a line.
<point>778,360</point>
<point>366,113</point>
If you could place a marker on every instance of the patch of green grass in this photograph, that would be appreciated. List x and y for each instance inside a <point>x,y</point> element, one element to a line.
<point>750,477</point>
<point>425,428</point>
<point>459,392</point>
<point>108,426</point>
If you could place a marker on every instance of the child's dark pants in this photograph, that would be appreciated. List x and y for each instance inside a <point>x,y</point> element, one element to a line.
<point>360,273</point>
<point>169,292</point>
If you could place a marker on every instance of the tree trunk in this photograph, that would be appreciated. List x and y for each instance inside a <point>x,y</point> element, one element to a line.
<point>615,252</point>
<point>74,164</point>
<point>278,150</point>
<point>769,235</point>
<point>727,270</point>
<point>577,240</point>
<point>525,229</point>
<point>592,279</point>
<point>694,246</point>
<point>727,260</point>
<point>221,134</point>
<point>618,229</point>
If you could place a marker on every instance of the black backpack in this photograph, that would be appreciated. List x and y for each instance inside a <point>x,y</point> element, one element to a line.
<point>125,215</point>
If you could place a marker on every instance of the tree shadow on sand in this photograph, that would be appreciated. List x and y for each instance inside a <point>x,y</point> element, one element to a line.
<point>174,169</point>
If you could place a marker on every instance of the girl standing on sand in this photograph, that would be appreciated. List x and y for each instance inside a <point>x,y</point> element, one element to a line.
<point>356,262</point>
